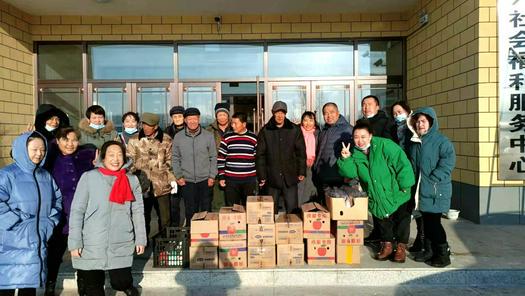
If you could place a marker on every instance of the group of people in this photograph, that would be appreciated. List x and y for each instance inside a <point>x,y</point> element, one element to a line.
<point>91,190</point>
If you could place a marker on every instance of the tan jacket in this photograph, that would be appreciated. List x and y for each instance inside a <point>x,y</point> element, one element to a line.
<point>153,157</point>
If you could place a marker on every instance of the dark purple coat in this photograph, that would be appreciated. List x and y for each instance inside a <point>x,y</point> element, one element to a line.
<point>67,169</point>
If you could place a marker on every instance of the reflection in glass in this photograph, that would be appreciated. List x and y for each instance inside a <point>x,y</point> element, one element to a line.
<point>310,60</point>
<point>113,100</point>
<point>220,61</point>
<point>387,94</point>
<point>337,93</point>
<point>60,62</point>
<point>242,97</point>
<point>154,100</point>
<point>68,100</point>
<point>295,98</point>
<point>202,98</point>
<point>126,61</point>
<point>380,58</point>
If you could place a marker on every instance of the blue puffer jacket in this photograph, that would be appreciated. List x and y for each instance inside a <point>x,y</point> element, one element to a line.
<point>433,159</point>
<point>30,207</point>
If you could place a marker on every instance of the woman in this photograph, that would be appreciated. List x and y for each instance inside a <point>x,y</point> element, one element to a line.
<point>433,159</point>
<point>95,129</point>
<point>49,119</point>
<point>30,206</point>
<point>106,224</point>
<point>130,122</point>
<point>67,168</point>
<point>306,189</point>
<point>386,175</point>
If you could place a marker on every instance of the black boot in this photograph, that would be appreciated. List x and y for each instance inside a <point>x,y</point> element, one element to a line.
<point>417,246</point>
<point>426,254</point>
<point>50,288</point>
<point>132,292</point>
<point>441,256</point>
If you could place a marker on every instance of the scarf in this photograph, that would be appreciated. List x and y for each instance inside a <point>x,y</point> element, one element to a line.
<point>309,141</point>
<point>121,191</point>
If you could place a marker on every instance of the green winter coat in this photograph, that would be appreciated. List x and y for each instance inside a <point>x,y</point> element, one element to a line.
<point>385,174</point>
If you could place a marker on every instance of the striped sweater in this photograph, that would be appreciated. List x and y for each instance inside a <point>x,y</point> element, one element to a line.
<point>236,157</point>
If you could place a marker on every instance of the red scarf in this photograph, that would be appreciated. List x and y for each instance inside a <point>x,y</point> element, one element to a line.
<point>121,191</point>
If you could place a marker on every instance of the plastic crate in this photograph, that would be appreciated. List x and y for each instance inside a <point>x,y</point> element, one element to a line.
<point>172,248</point>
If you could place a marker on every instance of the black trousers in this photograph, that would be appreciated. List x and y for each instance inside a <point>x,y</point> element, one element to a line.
<point>433,230</point>
<point>396,226</point>
<point>196,198</point>
<point>175,207</point>
<point>21,292</point>
<point>93,281</point>
<point>290,196</point>
<point>56,247</point>
<point>237,192</point>
<point>161,204</point>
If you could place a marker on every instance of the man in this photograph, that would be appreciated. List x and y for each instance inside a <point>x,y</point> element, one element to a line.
<point>150,151</point>
<point>281,157</point>
<point>335,132</point>
<point>194,164</point>
<point>219,127</point>
<point>236,161</point>
<point>177,118</point>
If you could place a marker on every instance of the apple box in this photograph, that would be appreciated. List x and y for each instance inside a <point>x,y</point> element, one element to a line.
<point>259,209</point>
<point>320,251</point>
<point>316,221</point>
<point>288,229</point>
<point>261,235</point>
<point>348,254</point>
<point>203,257</point>
<point>232,223</point>
<point>204,229</point>
<point>340,211</point>
<point>232,254</point>
<point>261,257</point>
<point>290,254</point>
<point>350,232</point>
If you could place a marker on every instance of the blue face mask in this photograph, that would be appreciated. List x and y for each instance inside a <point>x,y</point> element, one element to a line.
<point>130,130</point>
<point>97,126</point>
<point>401,117</point>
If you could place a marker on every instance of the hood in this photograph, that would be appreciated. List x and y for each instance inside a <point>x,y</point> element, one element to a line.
<point>20,154</point>
<point>84,125</point>
<point>427,111</point>
<point>46,111</point>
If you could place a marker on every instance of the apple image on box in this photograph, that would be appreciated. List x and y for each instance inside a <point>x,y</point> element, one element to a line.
<point>234,252</point>
<point>321,251</point>
<point>205,235</point>
<point>317,224</point>
<point>351,228</point>
<point>231,230</point>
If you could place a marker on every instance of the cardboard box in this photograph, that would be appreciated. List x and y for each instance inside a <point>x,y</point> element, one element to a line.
<point>232,254</point>
<point>350,232</point>
<point>232,223</point>
<point>316,221</point>
<point>261,235</point>
<point>261,257</point>
<point>259,209</point>
<point>348,254</point>
<point>204,229</point>
<point>203,257</point>
<point>290,254</point>
<point>339,210</point>
<point>320,251</point>
<point>288,229</point>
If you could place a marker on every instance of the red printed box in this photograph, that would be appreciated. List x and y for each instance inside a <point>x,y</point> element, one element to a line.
<point>316,221</point>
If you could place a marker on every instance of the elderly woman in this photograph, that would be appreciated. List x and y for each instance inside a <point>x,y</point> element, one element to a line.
<point>106,224</point>
<point>30,206</point>
<point>433,159</point>
<point>67,168</point>
<point>386,175</point>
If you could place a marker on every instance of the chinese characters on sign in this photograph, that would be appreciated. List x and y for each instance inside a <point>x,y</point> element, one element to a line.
<point>511,35</point>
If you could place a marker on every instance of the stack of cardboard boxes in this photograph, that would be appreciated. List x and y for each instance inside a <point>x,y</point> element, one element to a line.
<point>289,239</point>
<point>204,240</point>
<point>261,231</point>
<point>232,237</point>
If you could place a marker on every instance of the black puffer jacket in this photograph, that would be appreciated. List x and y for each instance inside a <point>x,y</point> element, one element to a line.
<point>280,152</point>
<point>382,126</point>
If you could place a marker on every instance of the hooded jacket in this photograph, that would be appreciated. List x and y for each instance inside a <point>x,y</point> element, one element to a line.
<point>30,207</point>
<point>381,125</point>
<point>95,137</point>
<point>107,232</point>
<point>385,174</point>
<point>433,158</point>
<point>281,153</point>
<point>45,112</point>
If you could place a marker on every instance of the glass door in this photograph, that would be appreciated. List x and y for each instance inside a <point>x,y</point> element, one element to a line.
<point>296,95</point>
<point>202,96</point>
<point>387,94</point>
<point>338,92</point>
<point>114,98</point>
<point>68,98</point>
<point>154,98</point>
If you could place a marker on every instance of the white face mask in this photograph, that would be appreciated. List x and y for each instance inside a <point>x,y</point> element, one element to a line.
<point>97,126</point>
<point>50,128</point>
<point>370,116</point>
<point>364,148</point>
<point>401,117</point>
<point>130,130</point>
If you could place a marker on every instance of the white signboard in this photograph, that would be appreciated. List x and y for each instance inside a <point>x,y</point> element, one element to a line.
<point>511,38</point>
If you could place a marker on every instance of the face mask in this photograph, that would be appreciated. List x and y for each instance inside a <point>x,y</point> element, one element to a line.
<point>130,130</point>
<point>50,128</point>
<point>370,116</point>
<point>96,126</point>
<point>401,117</point>
<point>364,148</point>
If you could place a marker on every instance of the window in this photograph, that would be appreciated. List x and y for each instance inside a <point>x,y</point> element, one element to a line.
<point>60,62</point>
<point>380,58</point>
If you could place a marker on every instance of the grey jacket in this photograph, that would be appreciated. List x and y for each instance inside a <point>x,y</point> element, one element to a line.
<point>106,231</point>
<point>194,157</point>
